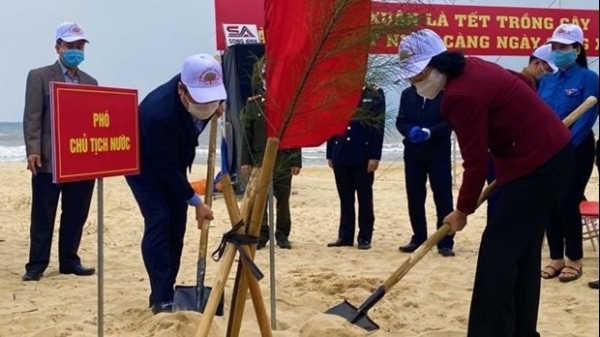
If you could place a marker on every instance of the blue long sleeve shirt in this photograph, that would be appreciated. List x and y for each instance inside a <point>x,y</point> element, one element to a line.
<point>565,90</point>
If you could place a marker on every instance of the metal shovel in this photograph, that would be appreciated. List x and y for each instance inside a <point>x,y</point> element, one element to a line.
<point>194,298</point>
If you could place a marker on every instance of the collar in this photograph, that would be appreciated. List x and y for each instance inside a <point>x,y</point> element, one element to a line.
<point>569,71</point>
<point>65,71</point>
<point>532,79</point>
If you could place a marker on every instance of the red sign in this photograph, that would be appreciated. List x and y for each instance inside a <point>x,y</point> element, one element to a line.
<point>94,132</point>
<point>478,30</point>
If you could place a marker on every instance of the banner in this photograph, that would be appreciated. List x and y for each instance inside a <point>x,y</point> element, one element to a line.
<point>94,132</point>
<point>478,30</point>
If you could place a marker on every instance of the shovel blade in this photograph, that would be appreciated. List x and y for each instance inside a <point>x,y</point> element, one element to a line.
<point>351,314</point>
<point>186,299</point>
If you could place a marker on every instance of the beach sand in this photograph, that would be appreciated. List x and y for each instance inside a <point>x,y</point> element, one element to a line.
<point>431,301</point>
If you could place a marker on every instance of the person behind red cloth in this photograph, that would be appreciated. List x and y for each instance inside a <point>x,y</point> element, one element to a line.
<point>490,108</point>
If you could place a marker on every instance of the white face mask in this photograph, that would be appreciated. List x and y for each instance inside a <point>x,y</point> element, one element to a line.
<point>201,110</point>
<point>432,85</point>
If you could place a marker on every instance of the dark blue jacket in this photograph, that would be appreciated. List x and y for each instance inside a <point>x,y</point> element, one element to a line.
<point>363,139</point>
<point>417,111</point>
<point>168,139</point>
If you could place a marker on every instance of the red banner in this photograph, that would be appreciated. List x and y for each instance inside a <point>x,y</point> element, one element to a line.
<point>478,30</point>
<point>316,71</point>
<point>95,132</point>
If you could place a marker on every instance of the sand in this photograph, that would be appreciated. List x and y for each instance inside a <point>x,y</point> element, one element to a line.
<point>431,301</point>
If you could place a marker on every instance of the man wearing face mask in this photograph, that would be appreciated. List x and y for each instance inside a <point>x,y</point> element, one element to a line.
<point>539,65</point>
<point>172,117</point>
<point>75,196</point>
<point>492,110</point>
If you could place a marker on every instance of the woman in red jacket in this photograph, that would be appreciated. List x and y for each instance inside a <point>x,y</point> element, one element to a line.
<point>491,108</point>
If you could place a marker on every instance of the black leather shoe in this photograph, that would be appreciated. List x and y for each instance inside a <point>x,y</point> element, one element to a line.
<point>261,244</point>
<point>446,252</point>
<point>340,243</point>
<point>364,245</point>
<point>284,243</point>
<point>32,276</point>
<point>409,248</point>
<point>162,307</point>
<point>78,271</point>
<point>594,284</point>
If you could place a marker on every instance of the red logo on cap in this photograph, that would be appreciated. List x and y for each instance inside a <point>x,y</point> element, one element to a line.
<point>76,30</point>
<point>562,31</point>
<point>209,77</point>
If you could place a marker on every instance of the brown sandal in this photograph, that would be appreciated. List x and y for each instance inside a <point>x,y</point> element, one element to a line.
<point>550,275</point>
<point>570,274</point>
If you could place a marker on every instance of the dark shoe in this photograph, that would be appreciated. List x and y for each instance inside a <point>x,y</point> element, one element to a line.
<point>32,276</point>
<point>261,244</point>
<point>446,252</point>
<point>409,248</point>
<point>594,284</point>
<point>78,271</point>
<point>284,244</point>
<point>162,307</point>
<point>340,243</point>
<point>364,245</point>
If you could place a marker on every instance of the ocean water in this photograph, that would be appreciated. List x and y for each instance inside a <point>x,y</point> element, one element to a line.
<point>12,148</point>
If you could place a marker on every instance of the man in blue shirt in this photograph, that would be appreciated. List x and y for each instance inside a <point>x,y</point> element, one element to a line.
<point>171,119</point>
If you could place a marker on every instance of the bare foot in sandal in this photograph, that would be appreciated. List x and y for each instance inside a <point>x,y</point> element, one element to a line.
<point>572,271</point>
<point>553,269</point>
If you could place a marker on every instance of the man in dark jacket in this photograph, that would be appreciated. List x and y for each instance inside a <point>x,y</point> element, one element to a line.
<point>171,119</point>
<point>354,158</point>
<point>427,154</point>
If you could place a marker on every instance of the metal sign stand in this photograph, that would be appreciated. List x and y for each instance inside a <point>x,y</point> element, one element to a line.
<point>100,229</point>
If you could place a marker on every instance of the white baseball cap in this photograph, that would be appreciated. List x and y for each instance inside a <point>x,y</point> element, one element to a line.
<point>203,77</point>
<point>416,50</point>
<point>543,53</point>
<point>70,32</point>
<point>567,33</point>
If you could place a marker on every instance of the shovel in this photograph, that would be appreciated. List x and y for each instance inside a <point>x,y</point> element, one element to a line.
<point>358,316</point>
<point>194,298</point>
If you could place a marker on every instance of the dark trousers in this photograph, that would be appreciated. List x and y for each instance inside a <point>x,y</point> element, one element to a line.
<point>75,198</point>
<point>282,187</point>
<point>492,201</point>
<point>164,229</point>
<point>564,231</point>
<point>351,180</point>
<point>439,171</point>
<point>506,293</point>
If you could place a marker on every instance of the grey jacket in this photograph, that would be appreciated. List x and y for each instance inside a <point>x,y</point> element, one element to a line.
<point>36,118</point>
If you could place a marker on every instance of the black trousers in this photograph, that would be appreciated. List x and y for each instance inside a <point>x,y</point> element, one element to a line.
<point>439,171</point>
<point>506,293</point>
<point>75,199</point>
<point>164,230</point>
<point>492,201</point>
<point>282,188</point>
<point>351,181</point>
<point>564,232</point>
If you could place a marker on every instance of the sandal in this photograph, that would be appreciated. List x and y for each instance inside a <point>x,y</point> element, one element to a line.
<point>570,274</point>
<point>550,275</point>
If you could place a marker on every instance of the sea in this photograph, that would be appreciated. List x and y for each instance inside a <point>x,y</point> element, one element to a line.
<point>12,146</point>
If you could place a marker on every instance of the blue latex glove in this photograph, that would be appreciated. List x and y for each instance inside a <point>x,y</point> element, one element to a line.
<point>418,135</point>
<point>413,133</point>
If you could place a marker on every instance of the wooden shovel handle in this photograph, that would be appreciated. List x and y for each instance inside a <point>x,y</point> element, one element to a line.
<point>210,178</point>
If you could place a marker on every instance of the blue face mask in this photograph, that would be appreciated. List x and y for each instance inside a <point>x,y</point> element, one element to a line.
<point>72,57</point>
<point>563,58</point>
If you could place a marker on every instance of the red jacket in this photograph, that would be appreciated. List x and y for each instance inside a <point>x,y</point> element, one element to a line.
<point>491,108</point>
